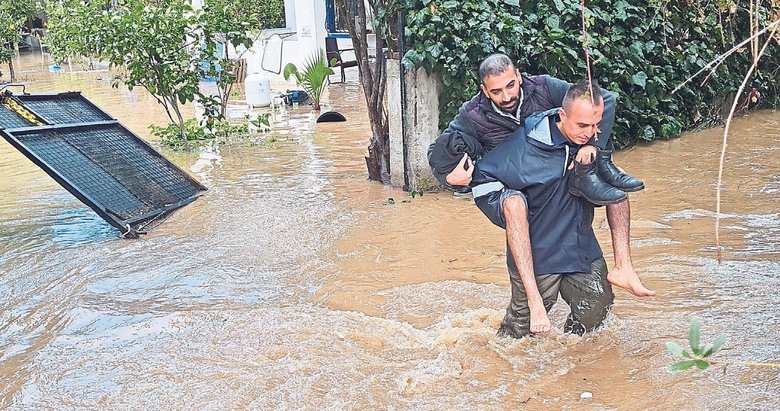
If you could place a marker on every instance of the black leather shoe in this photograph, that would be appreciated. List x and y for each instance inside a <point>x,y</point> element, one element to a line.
<point>586,183</point>
<point>462,192</point>
<point>612,175</point>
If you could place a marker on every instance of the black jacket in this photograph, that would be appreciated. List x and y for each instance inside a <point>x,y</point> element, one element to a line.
<point>478,128</point>
<point>560,224</point>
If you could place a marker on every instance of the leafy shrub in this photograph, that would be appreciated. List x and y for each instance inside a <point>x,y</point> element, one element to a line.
<point>13,14</point>
<point>640,49</point>
<point>196,135</point>
<point>164,46</point>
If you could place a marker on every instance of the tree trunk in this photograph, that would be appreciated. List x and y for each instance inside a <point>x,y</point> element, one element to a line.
<point>11,71</point>
<point>179,120</point>
<point>373,80</point>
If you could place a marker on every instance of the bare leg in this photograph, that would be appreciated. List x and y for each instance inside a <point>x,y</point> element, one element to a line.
<point>518,238</point>
<point>623,275</point>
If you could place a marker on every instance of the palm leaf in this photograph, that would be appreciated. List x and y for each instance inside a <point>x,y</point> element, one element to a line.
<point>291,70</point>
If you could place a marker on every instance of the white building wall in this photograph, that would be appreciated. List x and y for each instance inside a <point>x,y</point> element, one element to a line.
<point>304,35</point>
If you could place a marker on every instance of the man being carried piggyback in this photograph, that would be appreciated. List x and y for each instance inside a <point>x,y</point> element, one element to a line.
<point>506,100</point>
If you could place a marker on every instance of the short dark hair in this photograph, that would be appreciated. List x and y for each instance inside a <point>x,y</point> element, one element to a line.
<point>494,65</point>
<point>583,89</point>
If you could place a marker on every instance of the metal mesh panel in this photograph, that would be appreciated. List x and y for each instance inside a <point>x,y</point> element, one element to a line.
<point>144,173</point>
<point>64,109</point>
<point>82,173</point>
<point>98,160</point>
<point>112,167</point>
<point>9,119</point>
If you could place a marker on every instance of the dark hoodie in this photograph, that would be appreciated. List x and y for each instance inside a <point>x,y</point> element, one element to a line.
<point>478,127</point>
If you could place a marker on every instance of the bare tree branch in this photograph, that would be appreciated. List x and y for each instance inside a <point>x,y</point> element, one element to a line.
<point>723,56</point>
<point>726,137</point>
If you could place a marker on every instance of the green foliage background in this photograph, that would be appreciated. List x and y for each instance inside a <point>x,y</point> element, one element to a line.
<point>641,49</point>
<point>13,14</point>
<point>164,46</point>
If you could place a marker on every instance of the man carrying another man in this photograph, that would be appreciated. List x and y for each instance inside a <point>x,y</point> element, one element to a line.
<point>490,118</point>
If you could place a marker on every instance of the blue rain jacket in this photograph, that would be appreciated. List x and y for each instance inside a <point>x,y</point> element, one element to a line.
<point>529,165</point>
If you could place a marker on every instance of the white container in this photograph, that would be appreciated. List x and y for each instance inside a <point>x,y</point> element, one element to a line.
<point>258,90</point>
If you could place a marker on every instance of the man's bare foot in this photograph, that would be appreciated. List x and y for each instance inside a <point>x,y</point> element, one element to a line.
<point>628,279</point>
<point>540,322</point>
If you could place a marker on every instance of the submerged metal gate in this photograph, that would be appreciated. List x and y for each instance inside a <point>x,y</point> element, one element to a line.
<point>105,165</point>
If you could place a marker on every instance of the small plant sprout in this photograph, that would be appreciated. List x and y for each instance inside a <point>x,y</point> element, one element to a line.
<point>699,355</point>
<point>261,122</point>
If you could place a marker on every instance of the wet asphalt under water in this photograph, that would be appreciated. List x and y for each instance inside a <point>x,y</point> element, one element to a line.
<point>293,284</point>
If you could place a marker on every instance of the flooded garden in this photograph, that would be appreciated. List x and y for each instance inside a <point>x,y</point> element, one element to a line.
<point>296,283</point>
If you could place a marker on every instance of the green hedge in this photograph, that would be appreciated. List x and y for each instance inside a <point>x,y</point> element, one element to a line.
<point>641,50</point>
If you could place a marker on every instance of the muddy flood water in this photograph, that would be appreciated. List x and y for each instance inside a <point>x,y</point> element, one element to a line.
<point>294,284</point>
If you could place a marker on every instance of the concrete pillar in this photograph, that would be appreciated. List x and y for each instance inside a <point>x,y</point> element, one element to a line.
<point>409,147</point>
<point>394,114</point>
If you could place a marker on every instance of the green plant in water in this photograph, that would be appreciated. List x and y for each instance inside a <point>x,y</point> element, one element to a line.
<point>314,77</point>
<point>699,355</point>
<point>170,135</point>
<point>262,121</point>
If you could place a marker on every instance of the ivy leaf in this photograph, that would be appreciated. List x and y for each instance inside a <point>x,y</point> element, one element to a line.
<point>620,8</point>
<point>434,50</point>
<point>637,49</point>
<point>693,335</point>
<point>681,366</point>
<point>639,79</point>
<point>559,5</point>
<point>648,133</point>
<point>413,59</point>
<point>512,2</point>
<point>553,21</point>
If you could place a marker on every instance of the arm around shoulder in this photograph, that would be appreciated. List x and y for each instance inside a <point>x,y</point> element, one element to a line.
<point>557,89</point>
<point>447,150</point>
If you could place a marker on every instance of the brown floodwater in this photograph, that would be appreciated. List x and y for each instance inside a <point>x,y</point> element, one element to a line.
<point>293,283</point>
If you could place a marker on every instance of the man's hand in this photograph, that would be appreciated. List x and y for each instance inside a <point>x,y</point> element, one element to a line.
<point>460,176</point>
<point>540,322</point>
<point>586,154</point>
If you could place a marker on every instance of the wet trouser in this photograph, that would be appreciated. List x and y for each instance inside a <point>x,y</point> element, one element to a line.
<point>589,296</point>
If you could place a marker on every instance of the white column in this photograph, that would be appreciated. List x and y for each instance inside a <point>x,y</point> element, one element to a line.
<point>310,25</point>
<point>289,14</point>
